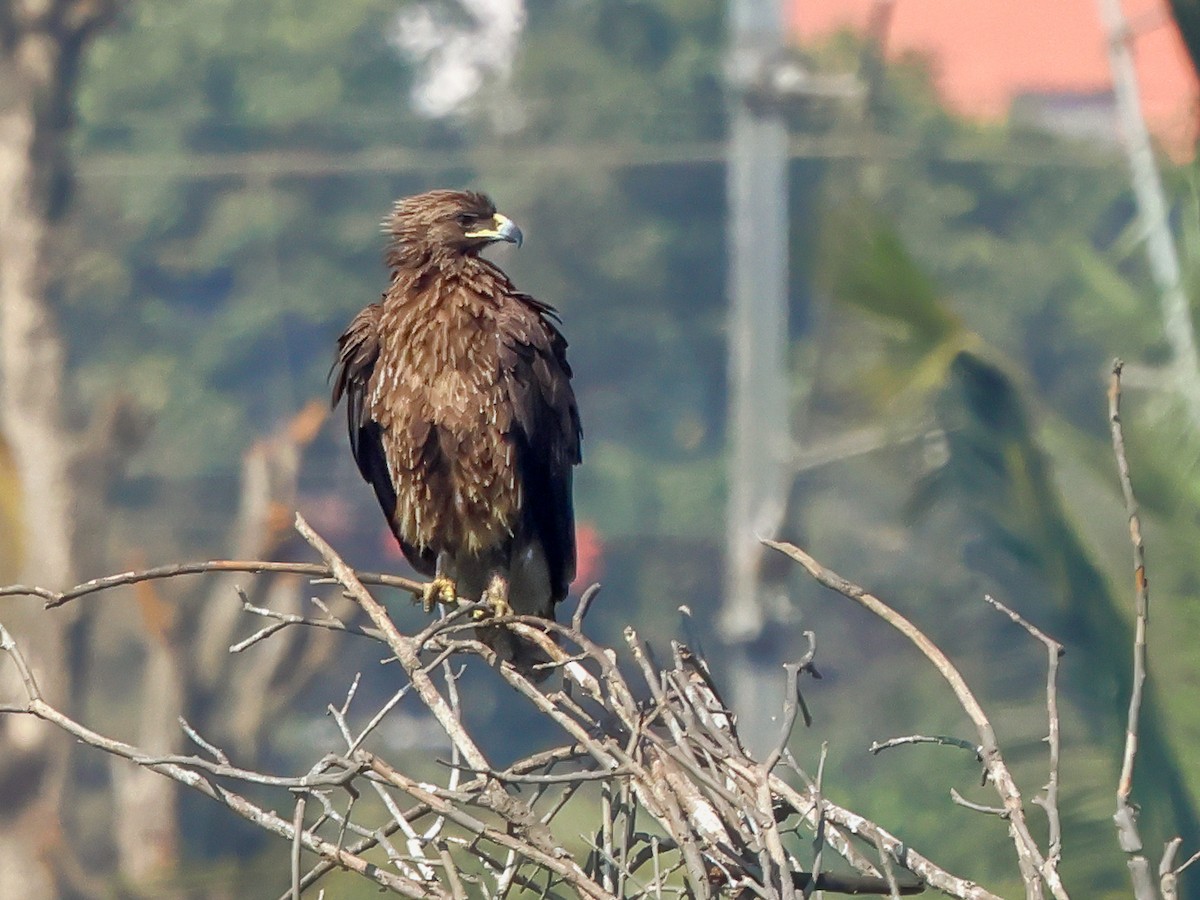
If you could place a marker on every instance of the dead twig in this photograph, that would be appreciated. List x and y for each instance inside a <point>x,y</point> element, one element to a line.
<point>974,749</point>
<point>175,570</point>
<point>183,772</point>
<point>1049,800</point>
<point>688,810</point>
<point>1126,815</point>
<point>1033,865</point>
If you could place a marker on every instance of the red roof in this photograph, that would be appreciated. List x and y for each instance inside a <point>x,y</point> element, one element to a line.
<point>986,52</point>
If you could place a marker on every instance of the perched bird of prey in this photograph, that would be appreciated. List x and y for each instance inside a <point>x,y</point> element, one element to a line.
<point>462,417</point>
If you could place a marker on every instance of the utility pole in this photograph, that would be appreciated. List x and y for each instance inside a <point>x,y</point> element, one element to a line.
<point>1161,253</point>
<point>759,432</point>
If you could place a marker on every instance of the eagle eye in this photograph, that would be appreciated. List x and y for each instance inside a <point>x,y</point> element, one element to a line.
<point>464,219</point>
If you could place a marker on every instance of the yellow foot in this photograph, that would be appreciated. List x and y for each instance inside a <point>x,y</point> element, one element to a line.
<point>496,597</point>
<point>440,590</point>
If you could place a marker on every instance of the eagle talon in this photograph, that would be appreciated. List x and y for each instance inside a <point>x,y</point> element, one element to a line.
<point>496,598</point>
<point>496,609</point>
<point>440,590</point>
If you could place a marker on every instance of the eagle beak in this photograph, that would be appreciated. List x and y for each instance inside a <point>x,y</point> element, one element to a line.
<point>503,229</point>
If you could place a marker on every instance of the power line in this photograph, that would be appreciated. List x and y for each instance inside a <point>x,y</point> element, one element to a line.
<point>406,161</point>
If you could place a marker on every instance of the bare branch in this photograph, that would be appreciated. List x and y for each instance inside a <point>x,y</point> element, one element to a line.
<point>175,570</point>
<point>1191,859</point>
<point>298,829</point>
<point>585,604</point>
<point>217,753</point>
<point>404,648</point>
<point>1168,875</point>
<point>792,701</point>
<point>885,863</point>
<point>551,858</point>
<point>1033,868</point>
<point>1126,815</point>
<point>977,807</point>
<point>879,746</point>
<point>283,620</point>
<point>9,646</point>
<point>532,763</point>
<point>1049,802</point>
<point>688,811</point>
<point>183,771</point>
<point>819,809</point>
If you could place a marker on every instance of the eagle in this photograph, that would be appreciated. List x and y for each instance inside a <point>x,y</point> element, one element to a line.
<point>462,416</point>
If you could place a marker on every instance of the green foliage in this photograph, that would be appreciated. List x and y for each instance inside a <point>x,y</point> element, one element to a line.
<point>218,294</point>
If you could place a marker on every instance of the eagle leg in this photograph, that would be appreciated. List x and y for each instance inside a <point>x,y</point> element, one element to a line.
<point>496,596</point>
<point>440,590</point>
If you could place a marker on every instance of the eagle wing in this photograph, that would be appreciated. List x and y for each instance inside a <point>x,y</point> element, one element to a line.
<point>544,429</point>
<point>358,351</point>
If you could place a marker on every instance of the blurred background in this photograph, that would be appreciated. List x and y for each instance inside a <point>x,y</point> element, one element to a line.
<point>850,274</point>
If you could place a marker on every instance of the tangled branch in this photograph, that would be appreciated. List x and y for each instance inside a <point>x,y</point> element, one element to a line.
<point>686,809</point>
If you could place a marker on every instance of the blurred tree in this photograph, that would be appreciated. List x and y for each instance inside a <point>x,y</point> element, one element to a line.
<point>239,277</point>
<point>54,474</point>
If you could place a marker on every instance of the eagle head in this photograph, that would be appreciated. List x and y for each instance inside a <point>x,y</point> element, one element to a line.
<point>438,224</point>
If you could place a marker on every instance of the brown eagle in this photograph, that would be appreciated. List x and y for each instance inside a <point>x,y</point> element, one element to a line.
<point>461,414</point>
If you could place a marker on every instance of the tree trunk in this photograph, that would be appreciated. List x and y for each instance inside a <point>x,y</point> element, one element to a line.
<point>62,476</point>
<point>1161,253</point>
<point>31,352</point>
<point>32,760</point>
<point>39,55</point>
<point>145,831</point>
